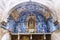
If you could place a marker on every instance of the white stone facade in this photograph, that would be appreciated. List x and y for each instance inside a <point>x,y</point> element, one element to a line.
<point>7,5</point>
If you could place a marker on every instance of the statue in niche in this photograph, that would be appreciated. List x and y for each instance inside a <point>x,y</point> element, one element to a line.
<point>31,23</point>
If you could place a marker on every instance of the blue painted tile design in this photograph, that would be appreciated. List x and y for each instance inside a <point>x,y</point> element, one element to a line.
<point>41,24</point>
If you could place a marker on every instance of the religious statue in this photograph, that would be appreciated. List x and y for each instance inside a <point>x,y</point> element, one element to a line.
<point>31,23</point>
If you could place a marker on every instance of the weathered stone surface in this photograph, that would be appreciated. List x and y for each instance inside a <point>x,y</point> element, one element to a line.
<point>4,32</point>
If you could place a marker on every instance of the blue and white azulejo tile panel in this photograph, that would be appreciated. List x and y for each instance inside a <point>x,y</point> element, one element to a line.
<point>42,25</point>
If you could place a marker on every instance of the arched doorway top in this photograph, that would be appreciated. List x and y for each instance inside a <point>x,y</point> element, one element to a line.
<point>33,6</point>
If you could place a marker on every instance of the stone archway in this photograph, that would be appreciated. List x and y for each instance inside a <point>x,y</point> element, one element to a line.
<point>31,6</point>
<point>39,10</point>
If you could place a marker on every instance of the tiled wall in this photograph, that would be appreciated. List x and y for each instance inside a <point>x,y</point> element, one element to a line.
<point>31,8</point>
